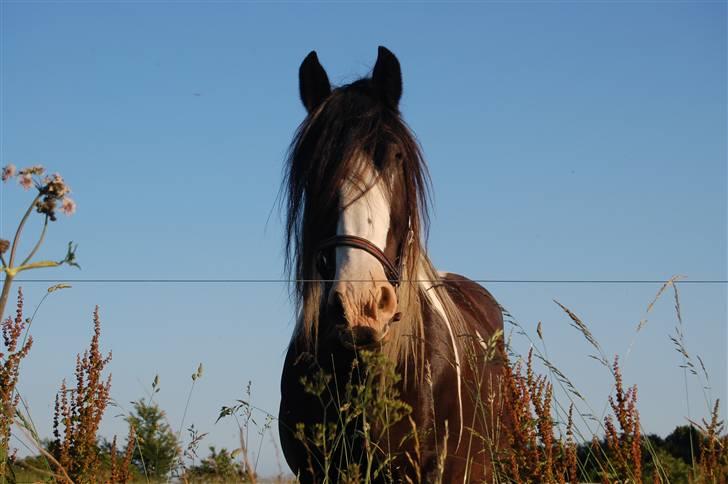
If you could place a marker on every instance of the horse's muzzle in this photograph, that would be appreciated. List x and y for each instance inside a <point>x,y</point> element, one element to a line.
<point>364,337</point>
<point>361,337</point>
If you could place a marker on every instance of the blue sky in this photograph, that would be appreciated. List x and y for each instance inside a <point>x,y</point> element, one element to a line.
<point>565,141</point>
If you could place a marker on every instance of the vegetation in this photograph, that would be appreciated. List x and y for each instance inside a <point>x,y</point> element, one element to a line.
<point>370,400</point>
<point>157,447</point>
<point>11,357</point>
<point>219,466</point>
<point>544,441</point>
<point>539,448</point>
<point>78,413</point>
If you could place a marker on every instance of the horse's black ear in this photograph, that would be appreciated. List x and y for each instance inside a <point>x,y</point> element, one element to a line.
<point>313,82</point>
<point>387,76</point>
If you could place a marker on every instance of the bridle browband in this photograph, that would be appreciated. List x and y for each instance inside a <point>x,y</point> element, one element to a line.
<point>393,271</point>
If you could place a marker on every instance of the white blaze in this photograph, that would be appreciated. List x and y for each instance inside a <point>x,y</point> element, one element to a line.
<point>364,213</point>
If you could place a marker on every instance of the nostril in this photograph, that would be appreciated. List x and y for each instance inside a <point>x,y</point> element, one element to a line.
<point>384,298</point>
<point>387,300</point>
<point>335,306</point>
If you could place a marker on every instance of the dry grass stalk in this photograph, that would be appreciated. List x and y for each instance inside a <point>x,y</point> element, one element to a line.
<point>79,411</point>
<point>10,357</point>
<point>442,455</point>
<point>416,460</point>
<point>577,323</point>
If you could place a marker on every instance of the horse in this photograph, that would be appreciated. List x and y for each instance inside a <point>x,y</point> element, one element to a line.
<point>356,191</point>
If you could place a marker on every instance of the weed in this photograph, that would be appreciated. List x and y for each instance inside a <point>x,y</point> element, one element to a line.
<point>78,413</point>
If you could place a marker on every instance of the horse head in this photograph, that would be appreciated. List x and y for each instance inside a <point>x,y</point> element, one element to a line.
<point>356,191</point>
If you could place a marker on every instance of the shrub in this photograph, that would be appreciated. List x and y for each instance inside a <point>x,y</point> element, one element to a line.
<point>157,447</point>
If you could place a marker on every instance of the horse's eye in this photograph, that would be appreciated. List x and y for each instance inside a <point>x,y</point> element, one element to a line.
<point>326,271</point>
<point>398,155</point>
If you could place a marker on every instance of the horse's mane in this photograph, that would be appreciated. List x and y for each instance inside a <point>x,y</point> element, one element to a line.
<point>326,149</point>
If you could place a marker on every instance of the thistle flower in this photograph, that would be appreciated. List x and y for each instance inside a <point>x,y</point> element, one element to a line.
<point>9,171</point>
<point>68,206</point>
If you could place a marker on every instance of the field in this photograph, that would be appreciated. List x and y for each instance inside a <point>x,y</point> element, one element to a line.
<point>535,437</point>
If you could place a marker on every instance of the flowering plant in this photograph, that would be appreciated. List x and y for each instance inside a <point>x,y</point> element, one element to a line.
<point>52,195</point>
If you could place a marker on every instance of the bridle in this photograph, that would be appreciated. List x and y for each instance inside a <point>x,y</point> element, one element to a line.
<point>392,269</point>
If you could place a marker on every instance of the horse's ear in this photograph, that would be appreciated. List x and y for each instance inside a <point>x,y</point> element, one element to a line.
<point>387,76</point>
<point>313,82</point>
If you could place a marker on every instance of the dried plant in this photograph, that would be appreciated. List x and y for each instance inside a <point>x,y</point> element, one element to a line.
<point>533,453</point>
<point>78,413</point>
<point>120,469</point>
<point>625,442</point>
<point>10,358</point>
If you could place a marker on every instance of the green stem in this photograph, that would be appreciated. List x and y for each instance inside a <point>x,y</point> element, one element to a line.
<point>9,276</point>
<point>30,323</point>
<point>184,414</point>
<point>16,239</point>
<point>38,244</point>
<point>35,265</point>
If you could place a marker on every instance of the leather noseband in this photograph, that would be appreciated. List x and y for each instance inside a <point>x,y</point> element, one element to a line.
<point>392,271</point>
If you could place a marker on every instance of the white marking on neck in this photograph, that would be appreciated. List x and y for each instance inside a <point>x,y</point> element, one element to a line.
<point>437,304</point>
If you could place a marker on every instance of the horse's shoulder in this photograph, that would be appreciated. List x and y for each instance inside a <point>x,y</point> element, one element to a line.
<point>473,296</point>
<point>457,283</point>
